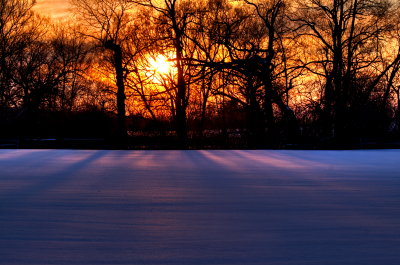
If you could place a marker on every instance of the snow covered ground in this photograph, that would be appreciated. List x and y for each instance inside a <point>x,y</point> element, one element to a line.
<point>200,207</point>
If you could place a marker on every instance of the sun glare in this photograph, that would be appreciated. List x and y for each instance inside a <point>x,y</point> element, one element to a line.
<point>161,65</point>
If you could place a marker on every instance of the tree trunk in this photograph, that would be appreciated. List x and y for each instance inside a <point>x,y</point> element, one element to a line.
<point>181,104</point>
<point>119,73</point>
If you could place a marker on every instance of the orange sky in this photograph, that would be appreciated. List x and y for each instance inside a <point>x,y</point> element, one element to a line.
<point>54,8</point>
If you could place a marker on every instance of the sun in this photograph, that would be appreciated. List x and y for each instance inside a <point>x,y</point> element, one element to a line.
<point>161,65</point>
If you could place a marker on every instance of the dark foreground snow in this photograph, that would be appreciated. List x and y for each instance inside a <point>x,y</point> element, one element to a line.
<point>200,207</point>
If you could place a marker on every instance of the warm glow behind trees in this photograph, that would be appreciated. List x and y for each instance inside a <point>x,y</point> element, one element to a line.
<point>280,64</point>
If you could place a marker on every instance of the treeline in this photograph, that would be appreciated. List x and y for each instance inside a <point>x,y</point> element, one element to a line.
<point>255,73</point>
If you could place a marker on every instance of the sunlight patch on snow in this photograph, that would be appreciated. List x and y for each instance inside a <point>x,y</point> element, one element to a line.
<point>15,154</point>
<point>280,160</point>
<point>235,160</point>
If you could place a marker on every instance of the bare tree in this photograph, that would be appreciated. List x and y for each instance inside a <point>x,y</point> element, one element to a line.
<point>107,22</point>
<point>175,18</point>
<point>346,37</point>
<point>254,53</point>
<point>273,60</point>
<point>71,53</point>
<point>390,55</point>
<point>16,31</point>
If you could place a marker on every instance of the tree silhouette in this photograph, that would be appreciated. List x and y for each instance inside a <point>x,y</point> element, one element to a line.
<point>347,34</point>
<point>107,22</point>
<point>16,31</point>
<point>258,73</point>
<point>174,19</point>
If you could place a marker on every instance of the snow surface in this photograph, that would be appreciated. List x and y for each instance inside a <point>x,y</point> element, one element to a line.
<point>200,207</point>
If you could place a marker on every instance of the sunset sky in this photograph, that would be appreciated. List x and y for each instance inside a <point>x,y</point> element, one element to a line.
<point>54,8</point>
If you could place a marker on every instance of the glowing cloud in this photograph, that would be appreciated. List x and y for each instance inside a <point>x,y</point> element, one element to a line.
<point>53,8</point>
